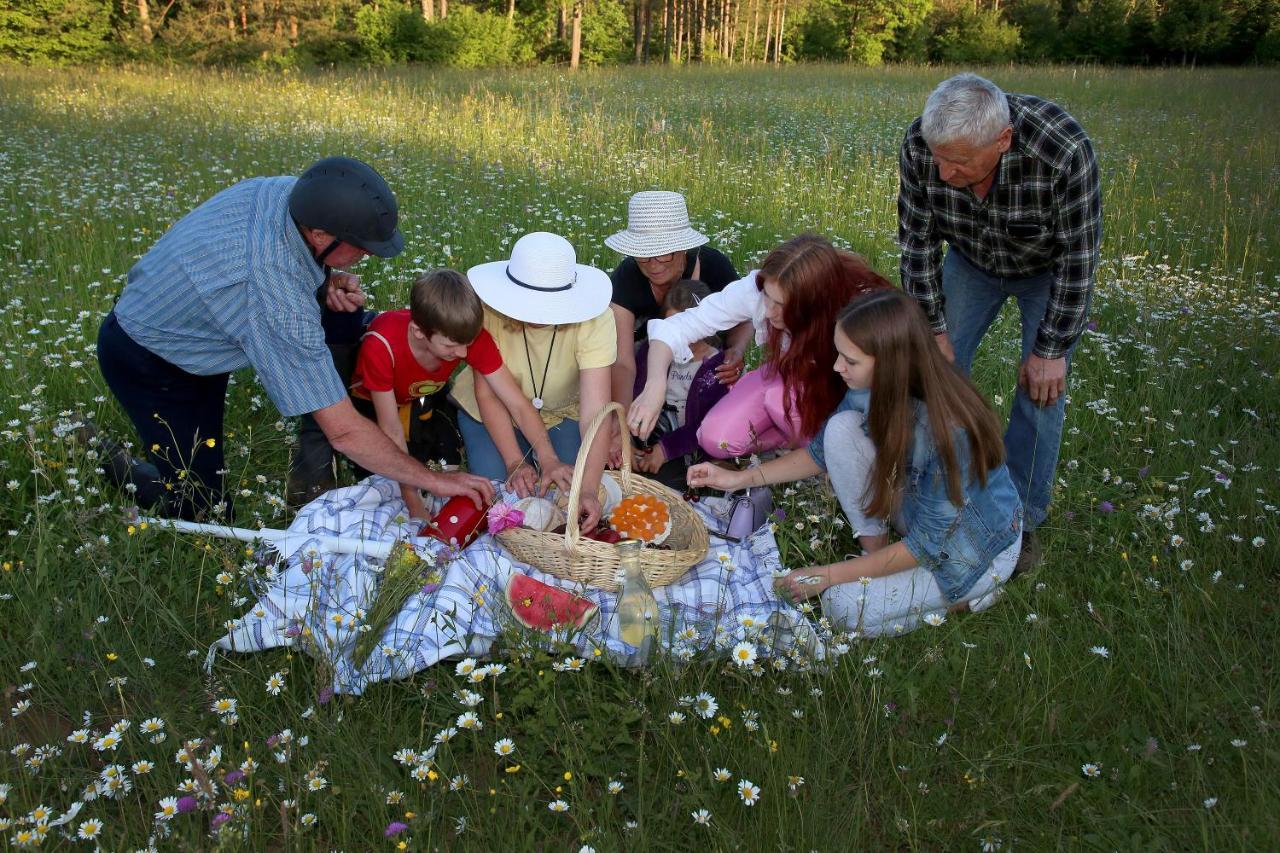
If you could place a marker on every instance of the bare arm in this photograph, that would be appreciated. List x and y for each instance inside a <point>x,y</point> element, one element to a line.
<point>622,375</point>
<point>887,560</point>
<point>735,353</point>
<point>384,406</point>
<point>497,422</point>
<point>502,386</point>
<point>364,443</point>
<point>646,408</point>
<point>593,395</point>
<point>795,465</point>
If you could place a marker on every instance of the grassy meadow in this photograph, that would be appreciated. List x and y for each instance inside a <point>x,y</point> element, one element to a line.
<point>1125,696</point>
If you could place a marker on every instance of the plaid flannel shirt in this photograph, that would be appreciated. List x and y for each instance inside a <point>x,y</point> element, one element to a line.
<point>1043,213</point>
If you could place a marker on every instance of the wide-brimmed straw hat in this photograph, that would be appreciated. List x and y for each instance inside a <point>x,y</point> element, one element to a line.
<point>542,283</point>
<point>657,224</point>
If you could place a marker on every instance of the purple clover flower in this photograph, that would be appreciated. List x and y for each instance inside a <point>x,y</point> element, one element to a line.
<point>186,804</point>
<point>1106,506</point>
<point>395,828</point>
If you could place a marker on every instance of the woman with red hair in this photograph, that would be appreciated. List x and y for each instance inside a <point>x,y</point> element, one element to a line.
<point>792,301</point>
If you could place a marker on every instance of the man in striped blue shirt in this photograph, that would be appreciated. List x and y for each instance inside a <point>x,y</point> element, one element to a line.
<point>244,280</point>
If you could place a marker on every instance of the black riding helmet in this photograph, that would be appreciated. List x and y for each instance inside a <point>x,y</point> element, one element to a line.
<point>351,201</point>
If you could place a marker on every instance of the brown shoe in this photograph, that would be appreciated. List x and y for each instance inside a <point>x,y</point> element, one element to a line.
<point>1030,556</point>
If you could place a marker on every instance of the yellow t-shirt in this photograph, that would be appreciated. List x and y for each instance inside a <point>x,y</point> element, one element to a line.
<point>577,346</point>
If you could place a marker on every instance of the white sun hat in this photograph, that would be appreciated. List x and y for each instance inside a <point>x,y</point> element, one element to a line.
<point>657,224</point>
<point>542,283</point>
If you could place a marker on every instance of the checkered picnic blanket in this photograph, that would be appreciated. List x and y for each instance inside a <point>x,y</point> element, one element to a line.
<point>317,600</point>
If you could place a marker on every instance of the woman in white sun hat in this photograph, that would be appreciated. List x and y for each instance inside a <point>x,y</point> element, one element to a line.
<point>549,316</point>
<point>662,248</point>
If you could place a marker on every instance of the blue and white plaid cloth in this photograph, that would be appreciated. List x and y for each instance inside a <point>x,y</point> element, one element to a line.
<point>318,601</point>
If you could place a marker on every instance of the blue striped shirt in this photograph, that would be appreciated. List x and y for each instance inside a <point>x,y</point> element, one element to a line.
<point>233,285</point>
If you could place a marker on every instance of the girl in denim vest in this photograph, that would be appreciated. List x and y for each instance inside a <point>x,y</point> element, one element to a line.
<point>913,444</point>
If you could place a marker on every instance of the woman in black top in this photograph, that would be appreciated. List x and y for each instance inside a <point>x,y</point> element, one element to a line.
<point>661,248</point>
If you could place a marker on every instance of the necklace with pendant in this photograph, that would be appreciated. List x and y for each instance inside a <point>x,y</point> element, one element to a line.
<point>537,390</point>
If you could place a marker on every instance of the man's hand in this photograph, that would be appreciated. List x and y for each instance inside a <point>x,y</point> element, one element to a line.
<point>730,370</point>
<point>943,340</point>
<point>453,483</point>
<point>343,293</point>
<point>1045,379</point>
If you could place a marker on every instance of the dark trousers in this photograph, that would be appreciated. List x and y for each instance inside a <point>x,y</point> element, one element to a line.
<point>177,415</point>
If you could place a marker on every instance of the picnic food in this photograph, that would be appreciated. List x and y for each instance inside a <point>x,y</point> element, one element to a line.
<point>540,513</point>
<point>643,517</point>
<point>541,607</point>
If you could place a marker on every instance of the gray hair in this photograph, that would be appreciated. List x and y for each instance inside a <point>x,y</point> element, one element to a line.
<point>964,108</point>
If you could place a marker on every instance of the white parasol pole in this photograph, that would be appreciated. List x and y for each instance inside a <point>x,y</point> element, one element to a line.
<point>374,549</point>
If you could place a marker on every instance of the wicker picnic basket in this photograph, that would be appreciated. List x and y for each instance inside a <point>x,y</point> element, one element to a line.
<point>574,557</point>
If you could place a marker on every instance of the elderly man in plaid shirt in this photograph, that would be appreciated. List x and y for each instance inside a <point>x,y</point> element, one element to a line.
<point>1010,183</point>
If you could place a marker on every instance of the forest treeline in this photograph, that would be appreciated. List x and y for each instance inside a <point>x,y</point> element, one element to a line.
<point>482,33</point>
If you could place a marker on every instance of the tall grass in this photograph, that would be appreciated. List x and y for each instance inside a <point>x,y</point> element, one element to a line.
<point>1161,544</point>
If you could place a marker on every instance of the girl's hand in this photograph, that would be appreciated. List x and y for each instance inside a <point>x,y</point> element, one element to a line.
<point>645,410</point>
<point>800,584</point>
<point>556,473</point>
<point>413,504</point>
<point>715,477</point>
<point>588,512</point>
<point>730,369</point>
<point>522,478</point>
<point>652,459</point>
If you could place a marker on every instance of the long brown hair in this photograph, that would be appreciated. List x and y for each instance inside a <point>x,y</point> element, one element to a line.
<point>817,280</point>
<point>890,327</point>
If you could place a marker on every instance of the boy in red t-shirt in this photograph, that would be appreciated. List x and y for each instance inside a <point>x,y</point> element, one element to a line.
<point>410,354</point>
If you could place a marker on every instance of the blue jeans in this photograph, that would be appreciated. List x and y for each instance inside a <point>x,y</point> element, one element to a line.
<point>1032,439</point>
<point>176,413</point>
<point>482,454</point>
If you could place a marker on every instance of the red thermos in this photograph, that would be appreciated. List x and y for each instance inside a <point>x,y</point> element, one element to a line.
<point>458,523</point>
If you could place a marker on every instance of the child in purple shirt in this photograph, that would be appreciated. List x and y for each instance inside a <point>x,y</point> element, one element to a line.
<point>692,389</point>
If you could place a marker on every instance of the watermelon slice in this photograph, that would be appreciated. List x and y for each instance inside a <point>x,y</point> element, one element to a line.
<point>542,607</point>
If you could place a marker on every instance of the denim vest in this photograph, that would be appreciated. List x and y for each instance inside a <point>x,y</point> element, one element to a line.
<point>956,544</point>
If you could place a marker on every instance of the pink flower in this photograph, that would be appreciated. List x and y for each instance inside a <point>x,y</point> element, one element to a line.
<point>503,516</point>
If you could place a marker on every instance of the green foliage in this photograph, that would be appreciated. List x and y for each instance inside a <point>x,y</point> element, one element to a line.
<point>55,31</point>
<point>967,36</point>
<point>393,33</point>
<point>1099,31</point>
<point>606,33</point>
<point>479,33</point>
<point>972,733</point>
<point>860,31</point>
<point>471,39</point>
<point>1038,22</point>
<point>1191,29</point>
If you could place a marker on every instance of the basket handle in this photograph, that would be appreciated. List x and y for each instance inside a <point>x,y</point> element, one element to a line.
<point>571,533</point>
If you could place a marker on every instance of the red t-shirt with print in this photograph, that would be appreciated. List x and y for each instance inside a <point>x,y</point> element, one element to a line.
<point>385,362</point>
